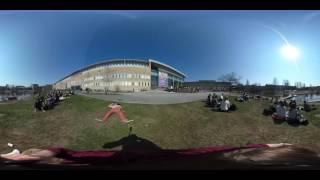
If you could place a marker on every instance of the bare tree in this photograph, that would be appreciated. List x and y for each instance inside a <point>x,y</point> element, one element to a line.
<point>275,81</point>
<point>247,83</point>
<point>286,82</point>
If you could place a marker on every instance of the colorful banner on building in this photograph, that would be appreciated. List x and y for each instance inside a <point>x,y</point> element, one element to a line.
<point>163,79</point>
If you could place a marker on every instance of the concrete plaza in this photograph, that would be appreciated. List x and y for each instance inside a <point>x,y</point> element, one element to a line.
<point>152,97</point>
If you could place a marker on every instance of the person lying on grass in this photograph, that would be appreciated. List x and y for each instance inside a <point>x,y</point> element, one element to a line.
<point>115,108</point>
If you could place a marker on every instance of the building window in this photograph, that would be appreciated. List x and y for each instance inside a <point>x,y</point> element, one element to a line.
<point>98,77</point>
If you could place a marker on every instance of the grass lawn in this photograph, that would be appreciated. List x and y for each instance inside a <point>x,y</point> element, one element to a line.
<point>71,124</point>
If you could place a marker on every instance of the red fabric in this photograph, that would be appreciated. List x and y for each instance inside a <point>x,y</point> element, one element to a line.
<point>276,117</point>
<point>96,157</point>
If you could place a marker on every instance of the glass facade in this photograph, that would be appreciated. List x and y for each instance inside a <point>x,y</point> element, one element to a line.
<point>154,78</point>
<point>173,81</point>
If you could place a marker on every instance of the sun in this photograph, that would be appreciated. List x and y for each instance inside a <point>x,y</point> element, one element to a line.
<point>290,52</point>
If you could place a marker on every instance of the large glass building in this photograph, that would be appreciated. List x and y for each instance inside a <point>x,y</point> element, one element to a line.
<point>123,75</point>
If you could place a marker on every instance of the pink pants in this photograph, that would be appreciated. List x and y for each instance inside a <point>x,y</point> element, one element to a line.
<point>116,111</point>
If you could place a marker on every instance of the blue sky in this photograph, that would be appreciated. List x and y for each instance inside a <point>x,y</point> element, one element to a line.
<point>44,46</point>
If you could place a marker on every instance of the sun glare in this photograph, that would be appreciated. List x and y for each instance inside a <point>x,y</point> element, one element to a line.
<point>290,52</point>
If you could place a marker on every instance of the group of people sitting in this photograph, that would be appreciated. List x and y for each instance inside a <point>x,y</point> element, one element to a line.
<point>47,102</point>
<point>220,103</point>
<point>244,96</point>
<point>280,113</point>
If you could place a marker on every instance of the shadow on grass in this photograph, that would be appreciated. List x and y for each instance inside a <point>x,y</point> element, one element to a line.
<point>293,124</point>
<point>277,121</point>
<point>206,105</point>
<point>298,124</point>
<point>133,143</point>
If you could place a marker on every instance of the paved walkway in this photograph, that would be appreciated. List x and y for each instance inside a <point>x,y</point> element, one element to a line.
<point>152,97</point>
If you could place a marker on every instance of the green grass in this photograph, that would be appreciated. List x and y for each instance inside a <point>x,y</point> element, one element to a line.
<point>71,124</point>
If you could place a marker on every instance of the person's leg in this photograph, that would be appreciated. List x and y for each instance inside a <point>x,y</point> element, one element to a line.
<point>122,116</point>
<point>107,115</point>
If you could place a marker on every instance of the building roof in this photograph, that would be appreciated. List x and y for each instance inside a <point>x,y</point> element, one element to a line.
<point>170,67</point>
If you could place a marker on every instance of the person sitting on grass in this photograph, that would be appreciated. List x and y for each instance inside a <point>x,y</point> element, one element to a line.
<point>38,104</point>
<point>46,104</point>
<point>233,107</point>
<point>246,96</point>
<point>214,101</point>
<point>240,99</point>
<point>271,109</point>
<point>115,108</point>
<point>209,99</point>
<point>49,102</point>
<point>221,97</point>
<point>225,105</point>
<point>306,106</point>
<point>280,113</point>
<point>294,116</point>
<point>56,96</point>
